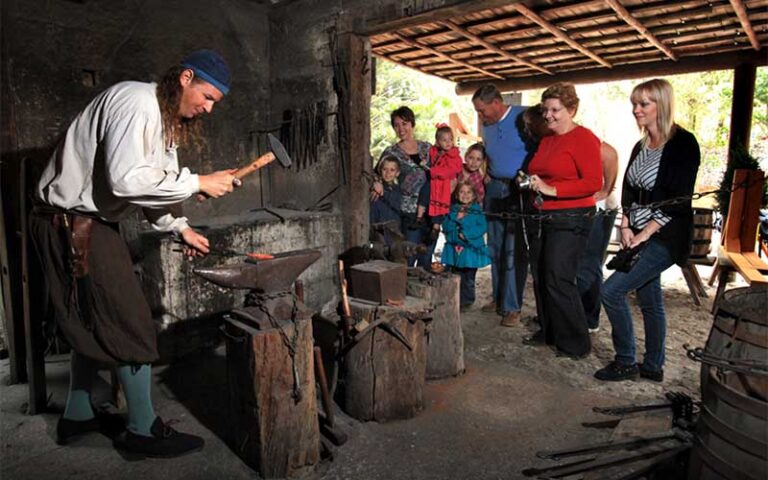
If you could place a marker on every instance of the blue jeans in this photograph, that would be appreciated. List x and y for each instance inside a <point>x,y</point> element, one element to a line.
<point>467,286</point>
<point>645,278</point>
<point>590,276</point>
<point>501,243</point>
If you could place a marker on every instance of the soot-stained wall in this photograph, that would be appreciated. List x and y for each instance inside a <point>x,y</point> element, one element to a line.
<point>58,54</point>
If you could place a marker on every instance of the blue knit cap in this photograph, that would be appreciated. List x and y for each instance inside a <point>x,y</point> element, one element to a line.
<point>209,66</point>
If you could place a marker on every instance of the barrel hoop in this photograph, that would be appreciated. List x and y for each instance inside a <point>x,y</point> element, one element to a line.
<point>718,464</point>
<point>749,444</point>
<point>740,332</point>
<point>730,396</point>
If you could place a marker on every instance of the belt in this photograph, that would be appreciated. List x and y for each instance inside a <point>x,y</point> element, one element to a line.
<point>507,181</point>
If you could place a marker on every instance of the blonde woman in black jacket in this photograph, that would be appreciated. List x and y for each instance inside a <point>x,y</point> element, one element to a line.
<point>663,166</point>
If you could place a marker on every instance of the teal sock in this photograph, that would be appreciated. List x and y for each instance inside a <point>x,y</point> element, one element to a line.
<point>82,372</point>
<point>136,381</point>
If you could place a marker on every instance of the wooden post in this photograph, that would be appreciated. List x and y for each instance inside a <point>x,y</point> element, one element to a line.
<point>356,54</point>
<point>445,340</point>
<point>33,324</point>
<point>741,108</point>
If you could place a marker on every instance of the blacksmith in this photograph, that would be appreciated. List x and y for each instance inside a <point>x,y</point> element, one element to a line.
<point>118,156</point>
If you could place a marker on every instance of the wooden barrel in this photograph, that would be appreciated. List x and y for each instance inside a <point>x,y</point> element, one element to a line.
<point>703,220</point>
<point>740,332</point>
<point>732,430</point>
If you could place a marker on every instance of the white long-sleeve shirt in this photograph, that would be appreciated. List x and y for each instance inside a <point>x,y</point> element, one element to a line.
<point>113,160</point>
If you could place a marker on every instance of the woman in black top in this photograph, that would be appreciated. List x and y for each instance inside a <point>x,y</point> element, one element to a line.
<point>663,166</point>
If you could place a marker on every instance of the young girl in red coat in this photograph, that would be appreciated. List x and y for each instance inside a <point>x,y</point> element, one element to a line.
<point>444,167</point>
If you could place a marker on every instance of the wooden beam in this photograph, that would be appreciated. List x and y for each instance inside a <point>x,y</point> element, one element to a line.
<point>403,64</point>
<point>741,12</point>
<point>690,64</point>
<point>554,30</point>
<point>741,107</point>
<point>356,102</point>
<point>461,31</point>
<point>405,19</point>
<point>624,14</point>
<point>444,56</point>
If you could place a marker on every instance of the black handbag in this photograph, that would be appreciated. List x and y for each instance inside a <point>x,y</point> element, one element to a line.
<point>626,258</point>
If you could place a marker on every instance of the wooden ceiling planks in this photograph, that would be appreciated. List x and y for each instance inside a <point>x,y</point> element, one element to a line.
<point>518,40</point>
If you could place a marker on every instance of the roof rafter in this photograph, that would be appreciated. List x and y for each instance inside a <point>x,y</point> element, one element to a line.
<point>444,56</point>
<point>461,31</point>
<point>402,64</point>
<point>741,12</point>
<point>624,14</point>
<point>532,16</point>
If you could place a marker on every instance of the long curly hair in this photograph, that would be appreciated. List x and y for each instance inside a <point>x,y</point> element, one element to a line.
<point>176,130</point>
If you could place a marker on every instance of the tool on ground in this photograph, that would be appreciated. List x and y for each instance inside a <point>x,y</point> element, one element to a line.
<point>603,446</point>
<point>682,406</point>
<point>662,452</point>
<point>327,427</point>
<point>276,152</point>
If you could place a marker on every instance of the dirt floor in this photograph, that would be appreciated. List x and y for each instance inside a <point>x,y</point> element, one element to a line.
<point>512,401</point>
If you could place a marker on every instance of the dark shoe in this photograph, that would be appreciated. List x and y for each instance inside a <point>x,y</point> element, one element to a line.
<point>652,375</point>
<point>165,442</point>
<point>108,424</point>
<point>561,353</point>
<point>535,340</point>
<point>465,307</point>
<point>616,372</point>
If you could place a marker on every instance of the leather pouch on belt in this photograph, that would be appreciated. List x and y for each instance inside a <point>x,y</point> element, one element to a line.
<point>81,244</point>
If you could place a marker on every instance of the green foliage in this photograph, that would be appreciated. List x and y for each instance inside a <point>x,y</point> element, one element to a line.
<point>740,159</point>
<point>430,98</point>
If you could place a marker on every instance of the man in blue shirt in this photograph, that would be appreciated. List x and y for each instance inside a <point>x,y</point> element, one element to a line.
<point>506,152</point>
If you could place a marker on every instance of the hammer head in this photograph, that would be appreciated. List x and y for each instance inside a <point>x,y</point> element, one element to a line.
<point>279,150</point>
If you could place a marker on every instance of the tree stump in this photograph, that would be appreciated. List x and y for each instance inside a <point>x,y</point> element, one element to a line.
<point>383,378</point>
<point>445,339</point>
<point>272,431</point>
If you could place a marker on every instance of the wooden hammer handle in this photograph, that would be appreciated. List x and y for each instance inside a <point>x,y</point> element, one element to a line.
<point>255,165</point>
<point>247,170</point>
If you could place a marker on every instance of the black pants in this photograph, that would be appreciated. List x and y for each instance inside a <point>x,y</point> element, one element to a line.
<point>467,286</point>
<point>562,244</point>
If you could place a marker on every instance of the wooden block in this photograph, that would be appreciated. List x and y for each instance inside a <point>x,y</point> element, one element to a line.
<point>270,430</point>
<point>378,281</point>
<point>383,379</point>
<point>445,339</point>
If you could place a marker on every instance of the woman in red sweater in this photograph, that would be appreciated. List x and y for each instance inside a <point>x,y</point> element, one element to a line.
<point>565,172</point>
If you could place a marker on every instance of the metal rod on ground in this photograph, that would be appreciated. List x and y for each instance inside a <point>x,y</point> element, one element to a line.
<point>558,454</point>
<point>647,452</point>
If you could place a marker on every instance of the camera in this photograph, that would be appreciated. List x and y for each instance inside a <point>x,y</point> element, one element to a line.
<point>523,180</point>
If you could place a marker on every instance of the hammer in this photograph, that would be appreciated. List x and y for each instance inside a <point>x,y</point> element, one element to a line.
<point>276,151</point>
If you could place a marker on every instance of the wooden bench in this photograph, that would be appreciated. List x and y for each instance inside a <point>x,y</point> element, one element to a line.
<point>737,252</point>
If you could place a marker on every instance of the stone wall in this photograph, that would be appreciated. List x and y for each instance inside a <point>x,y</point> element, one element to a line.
<point>176,293</point>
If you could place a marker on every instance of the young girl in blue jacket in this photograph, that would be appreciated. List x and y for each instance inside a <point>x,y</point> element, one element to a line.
<point>465,248</point>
